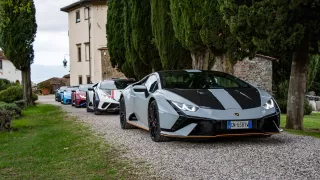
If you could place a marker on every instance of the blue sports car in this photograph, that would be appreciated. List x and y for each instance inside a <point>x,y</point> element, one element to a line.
<point>66,95</point>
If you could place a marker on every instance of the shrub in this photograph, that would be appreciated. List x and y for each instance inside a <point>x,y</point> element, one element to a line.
<point>16,111</point>
<point>34,97</point>
<point>282,103</point>
<point>6,117</point>
<point>283,106</point>
<point>307,110</point>
<point>21,104</point>
<point>13,93</point>
<point>4,84</point>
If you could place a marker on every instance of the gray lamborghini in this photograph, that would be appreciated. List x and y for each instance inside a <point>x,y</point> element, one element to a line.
<point>198,104</point>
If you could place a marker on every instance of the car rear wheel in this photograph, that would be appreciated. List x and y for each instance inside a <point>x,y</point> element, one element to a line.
<point>123,121</point>
<point>87,104</point>
<point>154,124</point>
<point>95,107</point>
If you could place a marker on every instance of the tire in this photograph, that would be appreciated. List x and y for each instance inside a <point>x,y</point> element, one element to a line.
<point>87,104</point>
<point>95,109</point>
<point>75,102</point>
<point>154,124</point>
<point>122,112</point>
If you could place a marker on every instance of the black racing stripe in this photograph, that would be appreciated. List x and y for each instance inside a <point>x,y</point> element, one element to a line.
<point>247,98</point>
<point>202,98</point>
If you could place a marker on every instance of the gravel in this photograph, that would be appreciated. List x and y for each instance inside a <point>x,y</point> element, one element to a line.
<point>281,156</point>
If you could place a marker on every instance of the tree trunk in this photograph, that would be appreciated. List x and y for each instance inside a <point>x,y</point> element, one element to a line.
<point>297,86</point>
<point>26,86</point>
<point>201,59</point>
<point>222,64</point>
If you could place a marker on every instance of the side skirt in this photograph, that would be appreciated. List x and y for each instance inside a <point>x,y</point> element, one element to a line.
<point>138,125</point>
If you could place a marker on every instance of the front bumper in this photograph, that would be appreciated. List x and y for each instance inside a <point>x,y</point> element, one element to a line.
<point>107,106</point>
<point>81,102</point>
<point>195,127</point>
<point>67,100</point>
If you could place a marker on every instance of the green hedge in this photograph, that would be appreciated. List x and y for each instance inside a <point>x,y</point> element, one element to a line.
<point>8,111</point>
<point>16,110</point>
<point>4,84</point>
<point>6,117</point>
<point>21,104</point>
<point>11,94</point>
<point>34,97</point>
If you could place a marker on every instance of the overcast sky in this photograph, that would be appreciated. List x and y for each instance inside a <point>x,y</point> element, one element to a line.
<point>51,43</point>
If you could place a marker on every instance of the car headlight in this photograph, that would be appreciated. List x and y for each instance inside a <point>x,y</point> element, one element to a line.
<point>185,107</point>
<point>82,96</point>
<point>269,104</point>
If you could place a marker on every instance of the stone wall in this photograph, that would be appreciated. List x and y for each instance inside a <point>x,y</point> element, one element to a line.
<point>257,71</point>
<point>106,68</point>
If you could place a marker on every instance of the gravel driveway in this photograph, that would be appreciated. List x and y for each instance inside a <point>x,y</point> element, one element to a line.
<point>282,156</point>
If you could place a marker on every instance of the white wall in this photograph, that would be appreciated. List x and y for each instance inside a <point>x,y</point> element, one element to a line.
<point>78,34</point>
<point>99,38</point>
<point>9,71</point>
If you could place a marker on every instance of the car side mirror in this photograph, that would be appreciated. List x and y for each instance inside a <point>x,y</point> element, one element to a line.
<point>139,88</point>
<point>90,89</point>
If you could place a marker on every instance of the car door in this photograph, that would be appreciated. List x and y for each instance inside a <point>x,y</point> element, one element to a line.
<point>142,99</point>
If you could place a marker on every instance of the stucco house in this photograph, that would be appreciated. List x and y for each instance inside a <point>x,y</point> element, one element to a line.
<point>89,56</point>
<point>8,70</point>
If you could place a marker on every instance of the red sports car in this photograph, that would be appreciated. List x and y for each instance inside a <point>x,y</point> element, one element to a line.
<point>78,97</point>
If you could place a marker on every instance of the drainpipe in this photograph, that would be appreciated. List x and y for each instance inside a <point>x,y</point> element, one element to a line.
<point>89,35</point>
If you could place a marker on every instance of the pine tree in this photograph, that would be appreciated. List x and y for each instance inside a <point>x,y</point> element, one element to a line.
<point>17,33</point>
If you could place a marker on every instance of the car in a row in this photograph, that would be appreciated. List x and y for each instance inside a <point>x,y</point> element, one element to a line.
<point>98,98</point>
<point>187,104</point>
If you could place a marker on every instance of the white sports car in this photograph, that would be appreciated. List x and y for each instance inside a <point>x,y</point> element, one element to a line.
<point>104,96</point>
<point>198,104</point>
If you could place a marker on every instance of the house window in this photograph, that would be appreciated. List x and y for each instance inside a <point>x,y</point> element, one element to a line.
<point>88,79</point>
<point>0,64</point>
<point>80,80</point>
<point>87,51</point>
<point>79,52</point>
<point>77,16</point>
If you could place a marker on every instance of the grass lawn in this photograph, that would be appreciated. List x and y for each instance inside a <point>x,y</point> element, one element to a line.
<point>311,125</point>
<point>46,144</point>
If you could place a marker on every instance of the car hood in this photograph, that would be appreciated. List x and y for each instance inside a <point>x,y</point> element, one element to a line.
<point>220,99</point>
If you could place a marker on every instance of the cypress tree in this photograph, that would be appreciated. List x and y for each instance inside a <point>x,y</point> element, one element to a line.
<point>115,32</point>
<point>18,28</point>
<point>186,19</point>
<point>142,34</point>
<point>290,28</point>
<point>199,26</point>
<point>172,54</point>
<point>133,64</point>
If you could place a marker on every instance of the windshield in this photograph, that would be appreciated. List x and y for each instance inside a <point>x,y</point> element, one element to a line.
<point>63,88</point>
<point>85,87</point>
<point>200,80</point>
<point>72,88</point>
<point>120,84</point>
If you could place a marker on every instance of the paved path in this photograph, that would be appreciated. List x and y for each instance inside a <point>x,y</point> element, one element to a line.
<point>282,156</point>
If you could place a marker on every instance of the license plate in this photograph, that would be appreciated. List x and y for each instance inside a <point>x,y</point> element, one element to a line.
<point>239,124</point>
